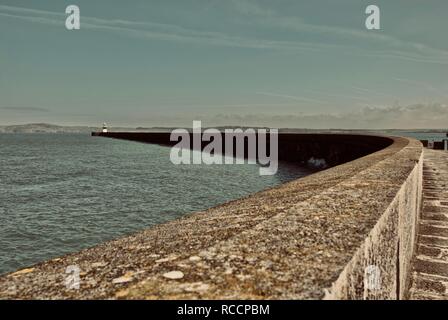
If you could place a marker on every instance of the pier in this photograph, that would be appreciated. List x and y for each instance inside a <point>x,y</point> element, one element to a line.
<point>319,237</point>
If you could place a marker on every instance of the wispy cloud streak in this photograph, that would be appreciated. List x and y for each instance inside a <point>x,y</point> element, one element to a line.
<point>421,116</point>
<point>289,97</point>
<point>398,49</point>
<point>25,109</point>
<point>423,85</point>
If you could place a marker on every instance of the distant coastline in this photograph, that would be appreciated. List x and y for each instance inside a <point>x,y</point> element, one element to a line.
<point>53,128</point>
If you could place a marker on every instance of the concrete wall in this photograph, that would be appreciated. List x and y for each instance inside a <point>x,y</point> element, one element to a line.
<point>380,267</point>
<point>321,236</point>
<point>387,251</point>
<point>293,147</point>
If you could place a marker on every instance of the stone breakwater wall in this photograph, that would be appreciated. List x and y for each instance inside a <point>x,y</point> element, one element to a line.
<point>311,238</point>
<point>381,267</point>
<point>293,147</point>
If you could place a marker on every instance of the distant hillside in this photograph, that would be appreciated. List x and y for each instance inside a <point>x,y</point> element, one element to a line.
<point>52,128</point>
<point>45,128</point>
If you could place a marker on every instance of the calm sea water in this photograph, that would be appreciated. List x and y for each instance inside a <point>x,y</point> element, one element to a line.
<point>60,193</point>
<point>435,135</point>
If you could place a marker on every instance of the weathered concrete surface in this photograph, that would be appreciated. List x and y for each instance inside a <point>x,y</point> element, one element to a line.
<point>289,242</point>
<point>430,265</point>
<point>389,247</point>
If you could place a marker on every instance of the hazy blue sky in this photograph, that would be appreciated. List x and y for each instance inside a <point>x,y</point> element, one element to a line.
<point>281,63</point>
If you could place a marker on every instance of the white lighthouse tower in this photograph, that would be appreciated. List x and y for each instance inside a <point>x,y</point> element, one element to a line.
<point>104,127</point>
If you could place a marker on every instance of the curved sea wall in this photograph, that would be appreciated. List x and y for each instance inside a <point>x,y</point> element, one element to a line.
<point>347,232</point>
<point>381,266</point>
<point>293,147</point>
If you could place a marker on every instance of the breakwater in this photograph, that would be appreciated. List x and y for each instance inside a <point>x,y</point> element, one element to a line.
<point>293,147</point>
<point>311,238</point>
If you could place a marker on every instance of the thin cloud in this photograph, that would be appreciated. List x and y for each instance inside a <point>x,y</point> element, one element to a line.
<point>417,83</point>
<point>167,32</point>
<point>371,91</point>
<point>25,109</point>
<point>419,116</point>
<point>339,95</point>
<point>424,85</point>
<point>284,96</point>
<point>159,31</point>
<point>268,16</point>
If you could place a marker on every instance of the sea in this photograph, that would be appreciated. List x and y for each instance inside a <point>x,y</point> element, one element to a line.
<point>60,193</point>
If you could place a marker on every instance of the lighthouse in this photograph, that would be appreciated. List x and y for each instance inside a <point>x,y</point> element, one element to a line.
<point>104,127</point>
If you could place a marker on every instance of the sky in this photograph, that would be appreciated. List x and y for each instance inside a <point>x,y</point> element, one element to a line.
<point>286,63</point>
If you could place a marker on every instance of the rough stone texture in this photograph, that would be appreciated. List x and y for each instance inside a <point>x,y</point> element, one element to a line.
<point>390,245</point>
<point>289,242</point>
<point>430,265</point>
